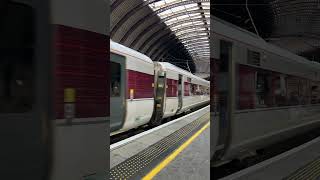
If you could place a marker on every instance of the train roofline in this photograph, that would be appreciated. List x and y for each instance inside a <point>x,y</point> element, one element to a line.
<point>182,71</point>
<point>224,28</point>
<point>123,50</point>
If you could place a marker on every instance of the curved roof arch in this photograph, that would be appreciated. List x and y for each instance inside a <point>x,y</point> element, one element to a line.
<point>179,29</point>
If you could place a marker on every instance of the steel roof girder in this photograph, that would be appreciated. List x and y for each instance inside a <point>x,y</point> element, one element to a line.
<point>179,3</point>
<point>187,21</point>
<point>192,32</point>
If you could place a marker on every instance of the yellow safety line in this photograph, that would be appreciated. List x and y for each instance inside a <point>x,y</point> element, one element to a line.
<point>172,156</point>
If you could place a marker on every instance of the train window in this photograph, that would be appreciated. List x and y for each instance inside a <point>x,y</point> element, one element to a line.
<point>201,90</point>
<point>263,93</point>
<point>260,92</point>
<point>204,90</point>
<point>279,86</point>
<point>304,92</point>
<point>17,59</point>
<point>186,89</point>
<point>115,86</point>
<point>315,93</point>
<point>194,89</point>
<point>246,87</point>
<point>292,90</point>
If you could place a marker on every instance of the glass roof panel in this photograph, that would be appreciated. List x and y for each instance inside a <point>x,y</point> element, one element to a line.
<point>170,1</point>
<point>206,3</point>
<point>190,26</point>
<point>198,47</point>
<point>189,22</point>
<point>194,30</point>
<point>200,43</point>
<point>204,44</point>
<point>191,5</point>
<point>179,8</point>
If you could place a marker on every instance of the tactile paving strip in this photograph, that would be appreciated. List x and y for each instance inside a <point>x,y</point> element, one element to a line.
<point>136,163</point>
<point>309,172</point>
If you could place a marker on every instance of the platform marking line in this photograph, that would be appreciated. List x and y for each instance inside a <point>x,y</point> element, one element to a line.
<point>288,154</point>
<point>310,171</point>
<point>300,173</point>
<point>172,156</point>
<point>132,138</point>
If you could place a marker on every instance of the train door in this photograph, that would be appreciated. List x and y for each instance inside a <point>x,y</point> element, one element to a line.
<point>179,93</point>
<point>117,91</point>
<point>225,95</point>
<point>24,90</point>
<point>160,90</point>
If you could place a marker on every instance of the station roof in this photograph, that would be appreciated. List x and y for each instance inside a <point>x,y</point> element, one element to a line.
<point>176,31</point>
<point>291,24</point>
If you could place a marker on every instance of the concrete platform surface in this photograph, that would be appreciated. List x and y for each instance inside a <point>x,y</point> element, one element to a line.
<point>192,163</point>
<point>126,149</point>
<point>179,149</point>
<point>286,165</point>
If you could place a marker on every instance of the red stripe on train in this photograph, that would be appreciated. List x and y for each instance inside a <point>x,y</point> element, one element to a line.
<point>172,90</point>
<point>81,62</point>
<point>187,88</point>
<point>141,83</point>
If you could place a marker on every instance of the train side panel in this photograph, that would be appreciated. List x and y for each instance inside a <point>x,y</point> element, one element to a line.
<point>273,93</point>
<point>274,115</point>
<point>140,103</point>
<point>192,96</point>
<point>139,88</point>
<point>195,91</point>
<point>80,57</point>
<point>214,121</point>
<point>171,96</point>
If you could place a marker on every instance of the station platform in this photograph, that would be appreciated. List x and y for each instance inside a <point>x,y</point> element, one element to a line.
<point>300,163</point>
<point>179,149</point>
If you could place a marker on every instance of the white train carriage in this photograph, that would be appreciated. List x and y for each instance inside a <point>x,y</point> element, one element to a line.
<point>266,94</point>
<point>132,92</point>
<point>80,53</point>
<point>196,92</point>
<point>145,92</point>
<point>183,91</point>
<point>53,68</point>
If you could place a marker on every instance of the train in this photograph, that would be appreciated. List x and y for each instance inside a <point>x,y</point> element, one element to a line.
<point>81,98</point>
<point>53,92</point>
<point>143,92</point>
<point>261,94</point>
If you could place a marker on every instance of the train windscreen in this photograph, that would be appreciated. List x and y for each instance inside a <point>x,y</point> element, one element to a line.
<point>24,111</point>
<point>16,65</point>
<point>117,91</point>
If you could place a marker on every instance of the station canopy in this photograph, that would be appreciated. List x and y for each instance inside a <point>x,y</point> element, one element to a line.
<point>176,31</point>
